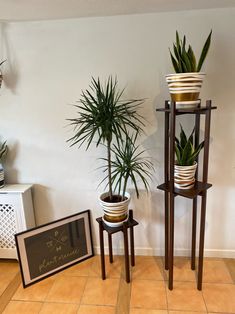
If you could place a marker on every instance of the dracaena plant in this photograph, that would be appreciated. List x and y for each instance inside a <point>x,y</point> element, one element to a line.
<point>129,164</point>
<point>183,59</point>
<point>105,118</point>
<point>186,152</point>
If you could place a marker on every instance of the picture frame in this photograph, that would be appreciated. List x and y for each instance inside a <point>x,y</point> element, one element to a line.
<point>52,247</point>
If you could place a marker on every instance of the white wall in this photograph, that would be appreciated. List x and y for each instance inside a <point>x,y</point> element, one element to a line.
<point>49,62</point>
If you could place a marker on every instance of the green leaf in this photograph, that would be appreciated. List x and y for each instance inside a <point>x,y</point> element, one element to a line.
<point>192,59</point>
<point>178,43</point>
<point>175,64</point>
<point>204,52</point>
<point>186,60</point>
<point>183,137</point>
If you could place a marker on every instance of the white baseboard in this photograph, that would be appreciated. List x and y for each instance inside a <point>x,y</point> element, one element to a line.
<point>177,252</point>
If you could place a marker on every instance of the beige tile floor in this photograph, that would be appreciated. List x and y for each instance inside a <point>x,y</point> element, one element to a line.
<point>80,289</point>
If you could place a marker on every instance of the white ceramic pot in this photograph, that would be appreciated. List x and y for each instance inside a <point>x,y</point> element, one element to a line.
<point>185,88</point>
<point>184,177</point>
<point>2,181</point>
<point>114,213</point>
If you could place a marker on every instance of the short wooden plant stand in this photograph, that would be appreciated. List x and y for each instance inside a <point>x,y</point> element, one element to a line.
<point>200,188</point>
<point>129,224</point>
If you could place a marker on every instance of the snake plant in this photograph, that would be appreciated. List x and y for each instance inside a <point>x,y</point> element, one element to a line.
<point>183,59</point>
<point>186,152</point>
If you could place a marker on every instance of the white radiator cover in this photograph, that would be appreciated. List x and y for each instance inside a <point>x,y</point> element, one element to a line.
<point>16,215</point>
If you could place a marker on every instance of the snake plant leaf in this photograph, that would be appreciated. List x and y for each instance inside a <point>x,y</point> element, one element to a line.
<point>187,152</point>
<point>192,59</point>
<point>175,64</point>
<point>183,137</point>
<point>178,43</point>
<point>178,154</point>
<point>2,62</point>
<point>204,52</point>
<point>177,55</point>
<point>196,152</point>
<point>186,60</point>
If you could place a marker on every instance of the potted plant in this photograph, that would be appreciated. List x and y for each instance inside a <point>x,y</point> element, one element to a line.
<point>186,165</point>
<point>3,152</point>
<point>103,116</point>
<point>1,73</point>
<point>185,84</point>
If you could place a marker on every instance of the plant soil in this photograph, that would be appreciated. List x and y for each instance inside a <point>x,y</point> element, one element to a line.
<point>115,199</point>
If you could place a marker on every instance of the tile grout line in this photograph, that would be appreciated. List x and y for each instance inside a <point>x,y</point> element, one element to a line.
<point>8,293</point>
<point>118,309</point>
<point>87,277</point>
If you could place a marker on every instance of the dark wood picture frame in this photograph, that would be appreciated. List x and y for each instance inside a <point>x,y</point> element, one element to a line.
<point>52,247</point>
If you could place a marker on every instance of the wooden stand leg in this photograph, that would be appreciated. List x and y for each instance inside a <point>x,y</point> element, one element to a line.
<point>166,230</point>
<point>125,234</point>
<point>102,260</point>
<point>203,205</point>
<point>172,201</point>
<point>194,229</point>
<point>171,242</point>
<point>110,248</point>
<point>166,176</point>
<point>132,244</point>
<point>201,243</point>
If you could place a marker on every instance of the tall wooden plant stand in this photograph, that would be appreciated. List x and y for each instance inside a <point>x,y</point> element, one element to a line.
<point>200,188</point>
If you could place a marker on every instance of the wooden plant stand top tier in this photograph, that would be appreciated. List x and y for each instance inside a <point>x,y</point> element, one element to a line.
<point>200,188</point>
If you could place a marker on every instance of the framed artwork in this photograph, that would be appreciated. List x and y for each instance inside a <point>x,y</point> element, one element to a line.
<point>50,248</point>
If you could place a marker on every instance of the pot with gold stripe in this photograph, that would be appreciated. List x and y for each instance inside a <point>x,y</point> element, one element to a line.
<point>185,88</point>
<point>115,210</point>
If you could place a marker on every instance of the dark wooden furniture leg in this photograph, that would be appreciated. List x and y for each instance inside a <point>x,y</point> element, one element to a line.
<point>203,205</point>
<point>171,222</point>
<point>194,230</point>
<point>110,248</point>
<point>166,174</point>
<point>201,243</point>
<point>194,214</point>
<point>132,240</point>
<point>102,260</point>
<point>126,250</point>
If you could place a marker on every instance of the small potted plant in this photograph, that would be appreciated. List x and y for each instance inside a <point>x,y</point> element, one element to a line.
<point>3,152</point>
<point>107,119</point>
<point>1,63</point>
<point>185,84</point>
<point>186,165</point>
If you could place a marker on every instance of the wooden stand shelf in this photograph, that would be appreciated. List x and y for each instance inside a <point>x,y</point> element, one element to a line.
<point>194,192</point>
<point>200,188</point>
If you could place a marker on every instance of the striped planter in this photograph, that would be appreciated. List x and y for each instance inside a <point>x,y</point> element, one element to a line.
<point>185,87</point>
<point>114,213</point>
<point>184,176</point>
<point>2,181</point>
